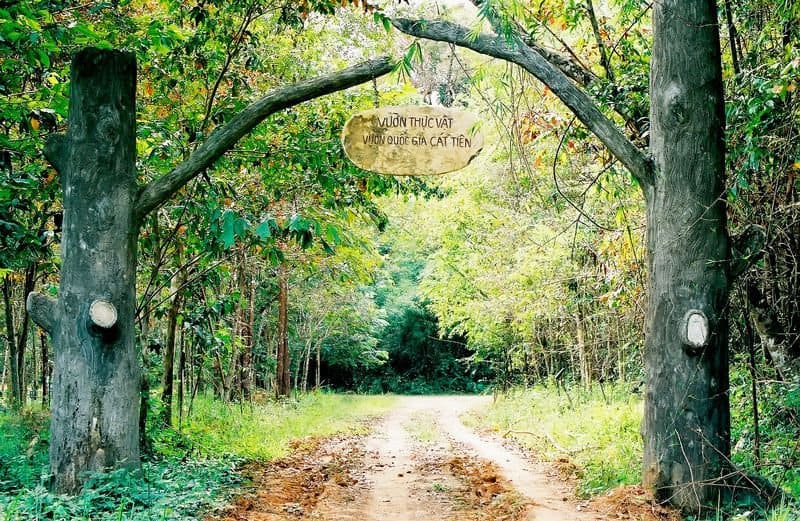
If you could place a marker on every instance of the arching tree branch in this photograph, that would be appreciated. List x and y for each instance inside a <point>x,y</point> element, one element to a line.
<point>570,66</point>
<point>223,138</point>
<point>516,51</point>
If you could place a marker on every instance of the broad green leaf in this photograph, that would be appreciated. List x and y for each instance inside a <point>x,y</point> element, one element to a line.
<point>229,219</point>
<point>264,230</point>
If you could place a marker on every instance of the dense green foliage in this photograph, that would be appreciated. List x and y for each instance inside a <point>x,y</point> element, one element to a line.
<point>419,358</point>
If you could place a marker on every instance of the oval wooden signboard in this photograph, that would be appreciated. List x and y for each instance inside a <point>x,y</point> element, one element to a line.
<point>412,140</point>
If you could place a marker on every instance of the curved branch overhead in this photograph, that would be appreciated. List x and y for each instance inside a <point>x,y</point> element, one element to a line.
<point>570,66</point>
<point>516,51</point>
<point>223,138</point>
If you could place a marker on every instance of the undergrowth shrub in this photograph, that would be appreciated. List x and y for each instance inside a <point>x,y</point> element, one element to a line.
<point>779,428</point>
<point>189,473</point>
<point>168,490</point>
<point>22,439</point>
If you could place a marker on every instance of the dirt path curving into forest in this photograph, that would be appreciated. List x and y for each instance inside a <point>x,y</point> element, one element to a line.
<point>420,463</point>
<point>428,428</point>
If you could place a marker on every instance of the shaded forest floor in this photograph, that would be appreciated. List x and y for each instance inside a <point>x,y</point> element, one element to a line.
<point>421,462</point>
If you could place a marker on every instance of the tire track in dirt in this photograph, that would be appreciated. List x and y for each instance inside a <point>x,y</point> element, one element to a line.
<point>390,463</point>
<point>469,471</point>
<point>420,463</point>
<point>549,497</point>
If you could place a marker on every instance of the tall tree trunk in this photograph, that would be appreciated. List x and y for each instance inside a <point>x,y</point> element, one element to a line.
<point>282,383</point>
<point>249,381</point>
<point>13,360</point>
<point>733,37</point>
<point>264,336</point>
<point>95,385</point>
<point>583,357</point>
<point>145,445</point>
<point>220,382</point>
<point>687,419</point>
<point>245,324</point>
<point>181,377</point>
<point>232,380</point>
<point>168,378</point>
<point>306,364</point>
<point>24,330</point>
<point>318,367</point>
<point>34,391</point>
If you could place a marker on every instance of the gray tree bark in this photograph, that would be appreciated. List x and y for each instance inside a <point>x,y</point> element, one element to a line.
<point>687,418</point>
<point>96,376</point>
<point>96,372</point>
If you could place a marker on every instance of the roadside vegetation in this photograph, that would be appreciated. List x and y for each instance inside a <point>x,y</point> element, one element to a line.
<point>189,473</point>
<point>592,436</point>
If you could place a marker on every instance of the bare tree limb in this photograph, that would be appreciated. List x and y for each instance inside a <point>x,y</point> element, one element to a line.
<point>42,309</point>
<point>605,58</point>
<point>152,195</point>
<point>516,51</point>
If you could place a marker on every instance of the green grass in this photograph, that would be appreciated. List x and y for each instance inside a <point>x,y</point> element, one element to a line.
<point>193,471</point>
<point>600,437</point>
<point>423,428</point>
<point>263,431</point>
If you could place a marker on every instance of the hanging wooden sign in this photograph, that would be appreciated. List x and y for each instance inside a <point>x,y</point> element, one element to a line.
<point>412,140</point>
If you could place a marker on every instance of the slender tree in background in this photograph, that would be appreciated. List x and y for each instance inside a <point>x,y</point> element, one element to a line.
<point>95,386</point>
<point>282,381</point>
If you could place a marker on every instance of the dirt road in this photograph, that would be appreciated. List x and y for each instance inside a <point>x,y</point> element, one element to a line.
<point>420,463</point>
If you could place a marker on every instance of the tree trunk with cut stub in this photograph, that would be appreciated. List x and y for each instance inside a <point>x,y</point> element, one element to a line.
<point>96,374</point>
<point>687,420</point>
<point>282,380</point>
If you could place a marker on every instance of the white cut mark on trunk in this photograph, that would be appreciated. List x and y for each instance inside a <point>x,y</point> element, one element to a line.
<point>696,328</point>
<point>103,313</point>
